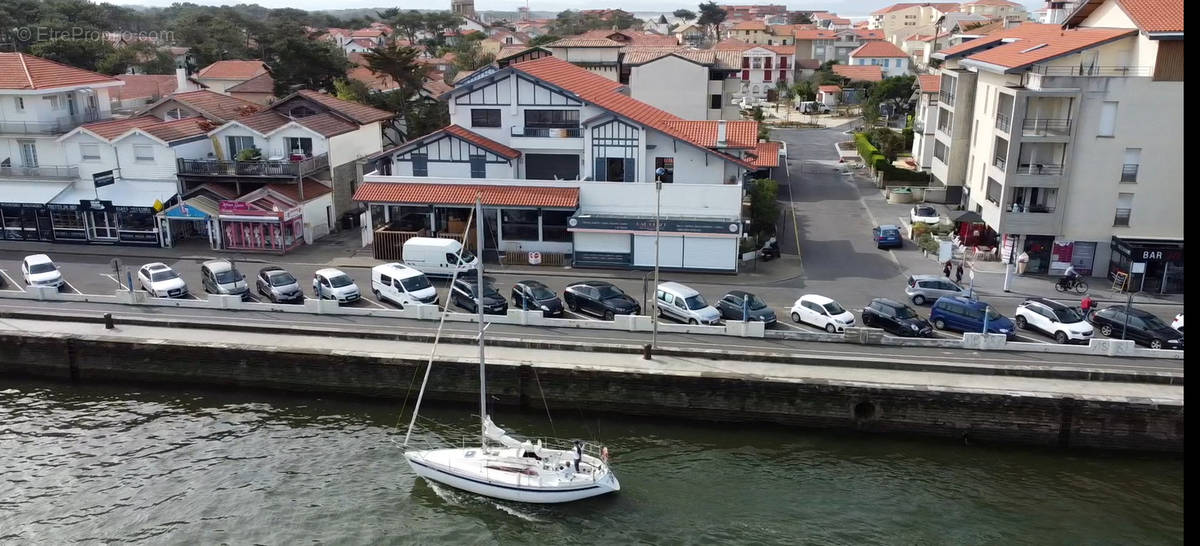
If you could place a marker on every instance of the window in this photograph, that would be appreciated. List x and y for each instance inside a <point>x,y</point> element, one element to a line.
<point>54,104</point>
<point>745,62</point>
<point>1124,209</point>
<point>20,102</point>
<point>714,101</point>
<point>174,113</point>
<point>993,191</point>
<point>756,62</point>
<point>301,111</point>
<point>939,151</point>
<point>975,132</point>
<point>886,62</point>
<point>420,164</point>
<point>485,117</point>
<point>745,75</point>
<point>89,151</point>
<point>299,145</point>
<point>1129,169</point>
<point>554,226</point>
<point>239,143</point>
<point>767,63</point>
<point>767,76</point>
<point>478,166</point>
<point>568,119</point>
<point>1108,119</point>
<point>29,157</point>
<point>143,152</point>
<point>770,42</point>
<point>519,225</point>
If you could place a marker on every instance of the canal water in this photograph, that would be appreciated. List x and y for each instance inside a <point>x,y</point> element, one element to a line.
<point>102,464</point>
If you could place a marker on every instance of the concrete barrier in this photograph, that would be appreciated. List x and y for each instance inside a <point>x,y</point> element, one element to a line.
<point>986,342</point>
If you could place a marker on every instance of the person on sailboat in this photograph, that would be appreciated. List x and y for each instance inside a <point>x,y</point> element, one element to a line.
<point>578,454</point>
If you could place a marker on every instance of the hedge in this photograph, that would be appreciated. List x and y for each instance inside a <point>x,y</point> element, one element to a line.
<point>873,157</point>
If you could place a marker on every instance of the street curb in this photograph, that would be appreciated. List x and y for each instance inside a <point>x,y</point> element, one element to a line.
<point>1078,374</point>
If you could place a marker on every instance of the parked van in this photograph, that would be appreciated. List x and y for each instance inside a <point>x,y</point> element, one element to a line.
<point>685,304</point>
<point>438,257</point>
<point>402,285</point>
<point>966,315</point>
<point>221,277</point>
<point>812,107</point>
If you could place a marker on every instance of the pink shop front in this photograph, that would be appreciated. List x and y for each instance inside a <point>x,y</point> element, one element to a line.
<point>247,227</point>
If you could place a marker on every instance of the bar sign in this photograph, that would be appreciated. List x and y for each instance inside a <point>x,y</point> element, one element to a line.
<point>103,178</point>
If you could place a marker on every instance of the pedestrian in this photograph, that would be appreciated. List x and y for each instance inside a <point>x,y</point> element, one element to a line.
<point>1086,304</point>
<point>946,270</point>
<point>958,273</point>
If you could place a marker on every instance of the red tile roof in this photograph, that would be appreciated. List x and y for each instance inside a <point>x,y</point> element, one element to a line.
<point>215,106</point>
<point>481,141</point>
<point>359,113</point>
<point>168,131</point>
<point>940,6</point>
<point>929,83</point>
<point>991,3</point>
<point>1155,15</point>
<point>584,42</point>
<point>23,71</point>
<point>143,86</point>
<point>464,194</point>
<point>1032,43</point>
<point>738,134</point>
<point>232,70</point>
<point>111,129</point>
<point>869,34</point>
<point>262,83</point>
<point>815,34</point>
<point>749,25</point>
<point>862,73</point>
<point>636,55</point>
<point>325,124</point>
<point>829,89</point>
<point>312,190</point>
<point>730,44</point>
<point>629,37</point>
<point>878,48</point>
<point>766,154</point>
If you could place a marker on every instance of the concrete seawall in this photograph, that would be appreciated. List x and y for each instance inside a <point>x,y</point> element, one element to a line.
<point>982,409</point>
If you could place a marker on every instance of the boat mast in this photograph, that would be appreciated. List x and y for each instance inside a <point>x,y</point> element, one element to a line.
<point>479,309</point>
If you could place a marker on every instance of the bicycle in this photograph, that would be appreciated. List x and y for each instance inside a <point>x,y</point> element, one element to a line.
<point>1067,285</point>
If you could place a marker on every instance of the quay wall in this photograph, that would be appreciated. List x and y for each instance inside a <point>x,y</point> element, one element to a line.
<point>1017,418</point>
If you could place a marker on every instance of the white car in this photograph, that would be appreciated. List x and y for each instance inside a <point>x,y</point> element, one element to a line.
<point>1066,324</point>
<point>822,312</point>
<point>924,214</point>
<point>333,284</point>
<point>38,270</point>
<point>161,281</point>
<point>1178,323</point>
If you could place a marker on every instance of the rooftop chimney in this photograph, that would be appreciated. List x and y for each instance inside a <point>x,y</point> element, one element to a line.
<point>721,142</point>
<point>181,80</point>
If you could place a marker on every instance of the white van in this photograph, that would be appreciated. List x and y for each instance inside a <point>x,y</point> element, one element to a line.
<point>438,257</point>
<point>402,285</point>
<point>685,304</point>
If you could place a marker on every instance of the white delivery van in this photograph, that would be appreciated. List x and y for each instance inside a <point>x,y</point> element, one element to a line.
<point>402,285</point>
<point>438,257</point>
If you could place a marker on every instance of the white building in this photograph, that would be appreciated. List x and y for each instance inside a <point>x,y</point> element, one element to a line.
<point>565,163</point>
<point>1066,139</point>
<point>762,67</point>
<point>891,59</point>
<point>925,119</point>
<point>689,83</point>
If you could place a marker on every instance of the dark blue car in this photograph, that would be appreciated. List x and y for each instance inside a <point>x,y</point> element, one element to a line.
<point>967,315</point>
<point>887,236</point>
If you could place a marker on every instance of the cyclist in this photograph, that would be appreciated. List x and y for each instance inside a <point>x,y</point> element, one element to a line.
<point>1070,276</point>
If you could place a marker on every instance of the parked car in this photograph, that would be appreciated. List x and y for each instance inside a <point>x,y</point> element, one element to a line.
<point>741,305</point>
<point>1144,328</point>
<point>402,285</point>
<point>812,107</point>
<point>895,317</point>
<point>967,315</point>
<point>221,277</point>
<point>685,304</point>
<point>923,288</point>
<point>924,214</point>
<point>465,294</point>
<point>822,312</point>
<point>438,257</point>
<point>887,236</point>
<point>39,270</point>
<point>533,296</point>
<point>1178,323</point>
<point>599,298</point>
<point>278,285</point>
<point>1065,324</point>
<point>333,284</point>
<point>161,281</point>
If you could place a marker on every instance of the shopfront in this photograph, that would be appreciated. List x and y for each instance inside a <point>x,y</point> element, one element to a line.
<point>121,213</point>
<point>246,228</point>
<point>23,212</point>
<point>1153,265</point>
<point>698,244</point>
<point>193,219</point>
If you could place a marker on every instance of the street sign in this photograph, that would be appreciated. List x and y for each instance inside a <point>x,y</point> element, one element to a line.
<point>103,178</point>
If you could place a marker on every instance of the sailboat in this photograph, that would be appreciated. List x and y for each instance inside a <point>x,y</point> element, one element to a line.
<point>508,468</point>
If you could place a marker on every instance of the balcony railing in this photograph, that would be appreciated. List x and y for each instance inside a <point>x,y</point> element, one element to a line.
<point>946,129</point>
<point>1122,217</point>
<point>1117,71</point>
<point>253,169</point>
<point>1039,169</point>
<point>1046,127</point>
<point>1129,172</point>
<point>50,127</point>
<point>41,171</point>
<point>1032,208</point>
<point>999,162</point>
<point>547,132</point>
<point>1003,122</point>
<point>946,97</point>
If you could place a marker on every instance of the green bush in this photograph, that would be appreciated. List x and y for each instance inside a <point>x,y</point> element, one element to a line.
<point>764,207</point>
<point>249,154</point>
<point>927,242</point>
<point>908,136</point>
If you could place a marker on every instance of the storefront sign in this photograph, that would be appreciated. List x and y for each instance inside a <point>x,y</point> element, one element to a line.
<point>135,210</point>
<point>603,258</point>
<point>292,213</point>
<point>646,225</point>
<point>63,206</point>
<point>94,204</point>
<point>6,204</point>
<point>138,236</point>
<point>70,234</point>
<point>234,206</point>
<point>103,178</point>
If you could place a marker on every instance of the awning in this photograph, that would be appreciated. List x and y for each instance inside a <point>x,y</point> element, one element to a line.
<point>968,216</point>
<point>464,195</point>
<point>723,227</point>
<point>30,193</point>
<point>196,208</point>
<point>122,193</point>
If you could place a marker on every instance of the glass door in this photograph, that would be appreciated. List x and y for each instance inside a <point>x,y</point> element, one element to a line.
<point>103,225</point>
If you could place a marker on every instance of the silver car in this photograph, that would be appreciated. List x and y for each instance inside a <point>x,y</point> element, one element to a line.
<point>928,288</point>
<point>221,277</point>
<point>278,285</point>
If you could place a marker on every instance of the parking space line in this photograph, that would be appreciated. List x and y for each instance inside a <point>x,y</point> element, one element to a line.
<point>792,325</point>
<point>375,303</point>
<point>11,281</point>
<point>113,278</point>
<point>580,316</point>
<point>1033,339</point>
<point>71,288</point>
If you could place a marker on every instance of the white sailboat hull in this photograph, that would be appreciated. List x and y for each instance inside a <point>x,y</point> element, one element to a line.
<point>504,474</point>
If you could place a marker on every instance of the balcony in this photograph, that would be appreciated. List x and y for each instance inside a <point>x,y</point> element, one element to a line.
<point>1063,78</point>
<point>1046,127</point>
<point>1003,122</point>
<point>1129,173</point>
<point>50,127</point>
<point>553,138</point>
<point>547,132</point>
<point>1039,169</point>
<point>946,97</point>
<point>999,162</point>
<point>53,172</point>
<point>1034,219</point>
<point>264,169</point>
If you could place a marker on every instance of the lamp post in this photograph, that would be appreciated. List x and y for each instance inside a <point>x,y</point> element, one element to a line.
<point>657,225</point>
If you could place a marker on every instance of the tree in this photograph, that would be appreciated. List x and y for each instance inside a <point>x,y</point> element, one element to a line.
<point>409,25</point>
<point>711,17</point>
<point>299,62</point>
<point>400,63</point>
<point>543,39</point>
<point>685,14</point>
<point>764,207</point>
<point>436,25</point>
<point>890,143</point>
<point>799,19</point>
<point>85,54</point>
<point>804,90</point>
<point>351,90</point>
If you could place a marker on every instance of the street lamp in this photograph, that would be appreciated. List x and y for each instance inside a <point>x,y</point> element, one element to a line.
<point>658,174</point>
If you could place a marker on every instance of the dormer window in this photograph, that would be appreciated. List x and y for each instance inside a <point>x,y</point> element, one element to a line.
<point>301,111</point>
<point>173,114</point>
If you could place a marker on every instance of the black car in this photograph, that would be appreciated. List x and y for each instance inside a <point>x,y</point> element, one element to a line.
<point>600,298</point>
<point>895,317</point>
<point>737,302</point>
<point>465,293</point>
<point>1144,328</point>
<point>535,296</point>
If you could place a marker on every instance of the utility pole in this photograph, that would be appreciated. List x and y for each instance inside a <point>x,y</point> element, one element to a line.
<point>1008,268</point>
<point>657,226</point>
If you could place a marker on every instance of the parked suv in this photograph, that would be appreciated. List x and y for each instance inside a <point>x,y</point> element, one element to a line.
<point>39,270</point>
<point>1063,323</point>
<point>599,298</point>
<point>967,315</point>
<point>923,288</point>
<point>333,284</point>
<point>465,294</point>
<point>895,317</point>
<point>221,277</point>
<point>1144,328</point>
<point>685,304</point>
<point>278,285</point>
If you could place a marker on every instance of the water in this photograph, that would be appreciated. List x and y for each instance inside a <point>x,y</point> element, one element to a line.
<point>100,464</point>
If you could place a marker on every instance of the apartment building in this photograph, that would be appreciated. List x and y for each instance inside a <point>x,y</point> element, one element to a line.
<point>564,161</point>
<point>760,33</point>
<point>762,67</point>
<point>899,21</point>
<point>831,45</point>
<point>1066,139</point>
<point>689,83</point>
<point>925,119</point>
<point>997,9</point>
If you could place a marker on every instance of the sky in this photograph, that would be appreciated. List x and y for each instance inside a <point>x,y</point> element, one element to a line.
<point>845,8</point>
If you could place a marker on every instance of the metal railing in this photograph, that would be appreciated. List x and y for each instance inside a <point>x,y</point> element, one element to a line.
<point>547,132</point>
<point>946,97</point>
<point>946,129</point>
<point>1044,127</point>
<point>282,168</point>
<point>1032,208</point>
<point>999,162</point>
<point>1115,71</point>
<point>1036,169</point>
<point>1003,122</point>
<point>50,127</point>
<point>1129,172</point>
<point>41,171</point>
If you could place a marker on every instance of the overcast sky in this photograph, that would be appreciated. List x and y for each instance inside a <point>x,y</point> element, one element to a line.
<point>845,8</point>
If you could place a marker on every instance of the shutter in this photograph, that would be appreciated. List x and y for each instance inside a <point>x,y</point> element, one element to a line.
<point>478,166</point>
<point>600,174</point>
<point>420,164</point>
<point>630,165</point>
